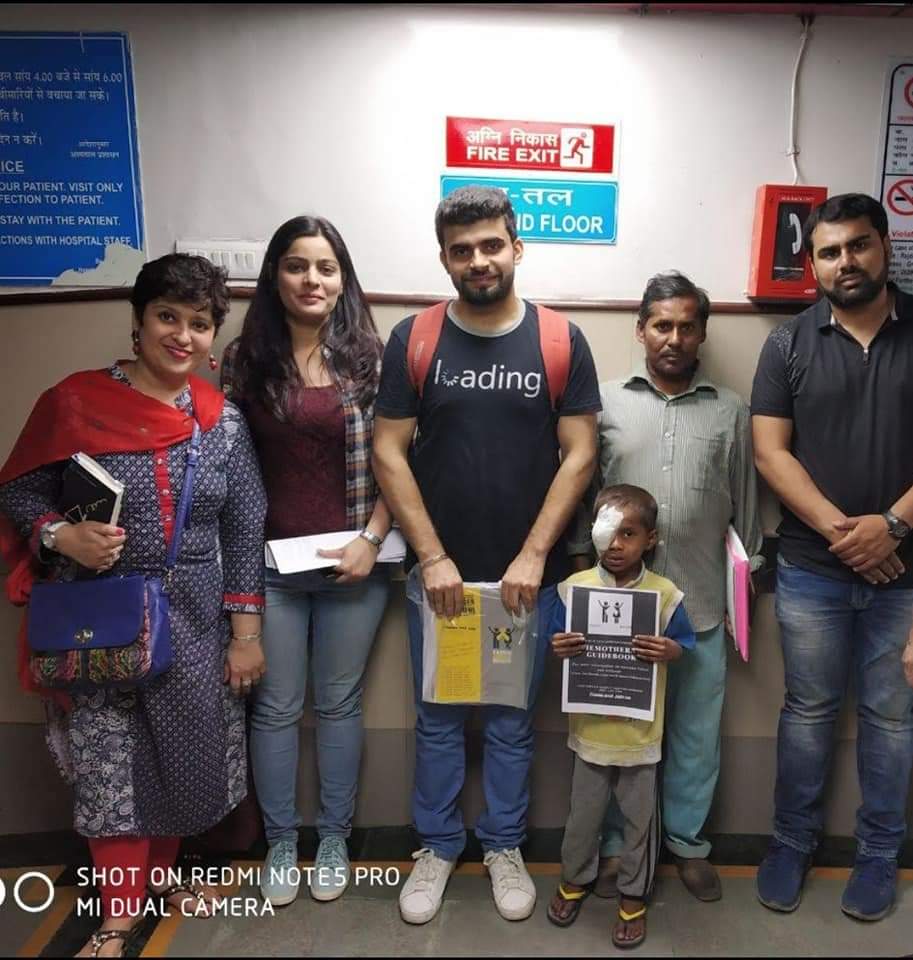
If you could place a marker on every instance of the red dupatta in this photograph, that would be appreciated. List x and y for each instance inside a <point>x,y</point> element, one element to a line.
<point>94,413</point>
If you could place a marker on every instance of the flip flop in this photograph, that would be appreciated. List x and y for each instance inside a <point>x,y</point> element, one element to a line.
<point>626,917</point>
<point>573,897</point>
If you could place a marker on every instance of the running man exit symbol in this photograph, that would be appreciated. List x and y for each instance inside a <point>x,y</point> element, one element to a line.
<point>577,148</point>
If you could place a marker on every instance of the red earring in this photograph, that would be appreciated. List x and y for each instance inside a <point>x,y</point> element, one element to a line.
<point>213,363</point>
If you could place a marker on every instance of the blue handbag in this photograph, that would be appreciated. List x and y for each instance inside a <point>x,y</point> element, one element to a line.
<point>85,635</point>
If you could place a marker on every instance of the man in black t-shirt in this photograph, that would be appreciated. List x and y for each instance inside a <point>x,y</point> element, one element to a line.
<point>483,491</point>
<point>830,410</point>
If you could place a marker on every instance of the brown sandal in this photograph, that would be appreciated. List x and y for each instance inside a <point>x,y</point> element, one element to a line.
<point>574,898</point>
<point>625,917</point>
<point>101,937</point>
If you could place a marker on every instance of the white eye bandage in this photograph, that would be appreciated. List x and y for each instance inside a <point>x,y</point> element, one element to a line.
<point>608,520</point>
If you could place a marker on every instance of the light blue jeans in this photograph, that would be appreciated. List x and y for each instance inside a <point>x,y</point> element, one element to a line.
<point>695,687</point>
<point>829,630</point>
<point>440,756</point>
<point>311,618</point>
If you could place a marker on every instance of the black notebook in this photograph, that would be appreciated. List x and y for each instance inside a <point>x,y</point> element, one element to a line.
<point>89,492</point>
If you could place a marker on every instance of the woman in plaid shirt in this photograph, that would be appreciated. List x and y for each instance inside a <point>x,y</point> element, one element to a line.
<point>305,372</point>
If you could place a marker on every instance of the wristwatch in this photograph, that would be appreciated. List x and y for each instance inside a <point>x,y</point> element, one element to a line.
<point>372,538</point>
<point>896,527</point>
<point>48,535</point>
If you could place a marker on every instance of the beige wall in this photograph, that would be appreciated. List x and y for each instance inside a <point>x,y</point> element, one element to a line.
<point>46,342</point>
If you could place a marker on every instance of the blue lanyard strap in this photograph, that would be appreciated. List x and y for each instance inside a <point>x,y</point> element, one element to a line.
<point>193,455</point>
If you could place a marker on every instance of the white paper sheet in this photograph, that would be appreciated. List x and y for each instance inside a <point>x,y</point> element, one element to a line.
<point>297,554</point>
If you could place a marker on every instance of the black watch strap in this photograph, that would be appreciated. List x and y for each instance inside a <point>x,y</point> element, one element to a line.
<point>897,528</point>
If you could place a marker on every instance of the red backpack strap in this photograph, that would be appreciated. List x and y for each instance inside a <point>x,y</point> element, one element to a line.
<point>423,339</point>
<point>555,343</point>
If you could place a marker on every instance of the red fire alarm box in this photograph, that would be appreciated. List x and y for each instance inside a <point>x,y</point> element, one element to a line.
<point>780,267</point>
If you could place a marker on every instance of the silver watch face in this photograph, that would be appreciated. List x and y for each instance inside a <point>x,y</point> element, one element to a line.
<point>896,527</point>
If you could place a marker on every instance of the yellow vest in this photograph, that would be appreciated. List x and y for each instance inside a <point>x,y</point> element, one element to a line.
<point>623,741</point>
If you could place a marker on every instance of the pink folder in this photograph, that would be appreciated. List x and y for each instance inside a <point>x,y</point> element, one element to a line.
<point>738,577</point>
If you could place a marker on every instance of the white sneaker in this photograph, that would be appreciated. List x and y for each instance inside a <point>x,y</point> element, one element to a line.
<point>511,885</point>
<point>421,896</point>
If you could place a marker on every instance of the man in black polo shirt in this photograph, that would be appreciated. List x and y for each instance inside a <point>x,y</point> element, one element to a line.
<point>830,413</point>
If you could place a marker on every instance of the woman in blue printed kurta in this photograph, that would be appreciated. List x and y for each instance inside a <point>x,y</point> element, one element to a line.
<point>168,759</point>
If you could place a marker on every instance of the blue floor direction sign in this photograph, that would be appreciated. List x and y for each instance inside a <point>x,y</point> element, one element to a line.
<point>555,211</point>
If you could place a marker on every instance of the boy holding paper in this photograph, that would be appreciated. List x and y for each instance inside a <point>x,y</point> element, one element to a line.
<point>618,754</point>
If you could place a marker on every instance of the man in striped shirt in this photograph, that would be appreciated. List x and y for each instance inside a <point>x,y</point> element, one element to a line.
<point>668,429</point>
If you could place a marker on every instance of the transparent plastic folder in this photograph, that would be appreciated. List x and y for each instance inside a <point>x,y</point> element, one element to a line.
<point>483,656</point>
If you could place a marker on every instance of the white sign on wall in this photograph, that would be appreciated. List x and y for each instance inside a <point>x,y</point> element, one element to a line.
<point>895,168</point>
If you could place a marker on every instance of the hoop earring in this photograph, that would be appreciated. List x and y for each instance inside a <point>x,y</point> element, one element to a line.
<point>213,363</point>
<point>135,337</point>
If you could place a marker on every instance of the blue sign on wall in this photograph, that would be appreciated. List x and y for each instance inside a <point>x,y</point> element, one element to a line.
<point>69,163</point>
<point>555,211</point>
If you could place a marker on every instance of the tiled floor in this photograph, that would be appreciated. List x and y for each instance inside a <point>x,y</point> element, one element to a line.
<point>366,922</point>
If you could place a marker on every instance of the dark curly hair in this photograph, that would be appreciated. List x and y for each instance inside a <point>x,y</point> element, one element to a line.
<point>470,204</point>
<point>265,367</point>
<point>184,279</point>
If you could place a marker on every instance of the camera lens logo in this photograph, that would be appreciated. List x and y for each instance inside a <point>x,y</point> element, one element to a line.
<point>17,892</point>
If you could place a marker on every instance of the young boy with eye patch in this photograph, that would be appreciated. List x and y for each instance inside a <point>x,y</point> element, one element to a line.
<point>618,754</point>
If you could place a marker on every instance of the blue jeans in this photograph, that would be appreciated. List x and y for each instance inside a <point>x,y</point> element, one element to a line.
<point>828,628</point>
<point>440,756</point>
<point>342,621</point>
<point>695,687</point>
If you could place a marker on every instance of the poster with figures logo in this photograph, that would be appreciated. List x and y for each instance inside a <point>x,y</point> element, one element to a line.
<point>610,616</point>
<point>607,678</point>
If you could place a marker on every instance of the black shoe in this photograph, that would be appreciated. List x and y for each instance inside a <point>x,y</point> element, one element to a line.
<point>869,893</point>
<point>781,876</point>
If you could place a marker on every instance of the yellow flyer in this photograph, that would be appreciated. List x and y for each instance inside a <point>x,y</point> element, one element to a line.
<point>459,645</point>
<point>485,655</point>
